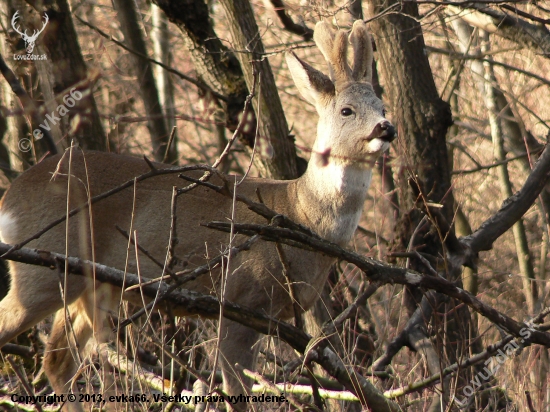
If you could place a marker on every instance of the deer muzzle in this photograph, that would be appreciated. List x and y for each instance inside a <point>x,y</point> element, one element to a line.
<point>387,131</point>
<point>384,131</point>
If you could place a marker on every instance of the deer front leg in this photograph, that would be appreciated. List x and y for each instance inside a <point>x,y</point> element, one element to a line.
<point>64,351</point>
<point>238,345</point>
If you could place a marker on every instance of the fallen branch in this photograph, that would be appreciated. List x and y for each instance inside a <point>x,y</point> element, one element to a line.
<point>19,350</point>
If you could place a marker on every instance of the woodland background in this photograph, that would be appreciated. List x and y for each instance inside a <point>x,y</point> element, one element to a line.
<point>465,83</point>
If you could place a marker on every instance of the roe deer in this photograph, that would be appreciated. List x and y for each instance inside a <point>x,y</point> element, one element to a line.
<point>352,132</point>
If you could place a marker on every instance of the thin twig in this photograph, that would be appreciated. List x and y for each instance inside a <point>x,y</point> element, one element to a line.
<point>170,140</point>
<point>480,357</point>
<point>141,248</point>
<point>207,174</point>
<point>189,276</point>
<point>173,240</point>
<point>495,164</point>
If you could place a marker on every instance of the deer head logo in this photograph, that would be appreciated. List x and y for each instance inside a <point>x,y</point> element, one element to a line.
<point>29,40</point>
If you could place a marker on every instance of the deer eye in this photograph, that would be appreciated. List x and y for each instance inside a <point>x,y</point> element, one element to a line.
<point>384,112</point>
<point>346,112</point>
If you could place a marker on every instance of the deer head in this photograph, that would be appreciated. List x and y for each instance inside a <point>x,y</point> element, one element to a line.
<point>29,40</point>
<point>352,128</point>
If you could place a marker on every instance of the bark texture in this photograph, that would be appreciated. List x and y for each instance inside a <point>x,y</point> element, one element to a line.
<point>511,27</point>
<point>232,77</point>
<point>421,117</point>
<point>422,121</point>
<point>267,105</point>
<point>214,63</point>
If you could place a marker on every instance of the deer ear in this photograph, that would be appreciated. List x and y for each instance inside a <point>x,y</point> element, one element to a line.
<point>312,84</point>
<point>362,52</point>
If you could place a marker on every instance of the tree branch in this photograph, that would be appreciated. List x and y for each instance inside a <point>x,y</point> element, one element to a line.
<point>513,208</point>
<point>534,37</point>
<point>378,271</point>
<point>194,303</point>
<point>201,85</point>
<point>288,23</point>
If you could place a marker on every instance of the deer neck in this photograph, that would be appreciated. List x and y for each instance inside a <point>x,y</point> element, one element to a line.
<point>331,195</point>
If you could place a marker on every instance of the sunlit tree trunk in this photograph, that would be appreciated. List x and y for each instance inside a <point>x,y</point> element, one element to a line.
<point>161,48</point>
<point>130,23</point>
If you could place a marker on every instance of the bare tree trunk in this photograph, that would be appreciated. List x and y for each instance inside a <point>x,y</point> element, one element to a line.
<point>216,66</point>
<point>522,246</point>
<point>161,48</point>
<point>221,71</point>
<point>463,228</point>
<point>46,83</point>
<point>66,67</point>
<point>267,105</point>
<point>513,28</point>
<point>470,279</point>
<point>421,117</point>
<point>129,18</point>
<point>498,109</point>
<point>15,128</point>
<point>517,139</point>
<point>17,133</point>
<point>422,120</point>
<point>386,173</point>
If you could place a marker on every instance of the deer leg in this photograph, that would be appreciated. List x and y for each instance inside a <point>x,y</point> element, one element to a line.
<point>99,306</point>
<point>75,335</point>
<point>65,351</point>
<point>238,345</point>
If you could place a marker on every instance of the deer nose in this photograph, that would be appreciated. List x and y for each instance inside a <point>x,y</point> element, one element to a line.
<point>388,131</point>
